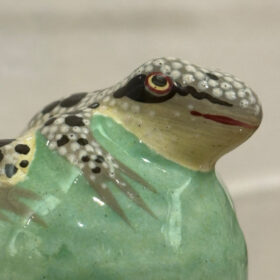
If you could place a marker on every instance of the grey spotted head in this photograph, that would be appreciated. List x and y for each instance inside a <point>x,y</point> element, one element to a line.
<point>169,102</point>
<point>161,79</point>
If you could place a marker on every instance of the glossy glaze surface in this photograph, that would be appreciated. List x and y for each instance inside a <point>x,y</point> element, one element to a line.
<point>120,182</point>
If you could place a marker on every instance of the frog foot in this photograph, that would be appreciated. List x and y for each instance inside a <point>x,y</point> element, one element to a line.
<point>115,174</point>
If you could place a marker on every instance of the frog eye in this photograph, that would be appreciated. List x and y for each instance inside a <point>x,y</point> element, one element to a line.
<point>158,84</point>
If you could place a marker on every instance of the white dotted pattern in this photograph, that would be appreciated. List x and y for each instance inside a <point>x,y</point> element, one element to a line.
<point>220,85</point>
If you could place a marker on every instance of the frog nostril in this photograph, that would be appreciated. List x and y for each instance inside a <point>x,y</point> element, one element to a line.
<point>5,142</point>
<point>212,76</point>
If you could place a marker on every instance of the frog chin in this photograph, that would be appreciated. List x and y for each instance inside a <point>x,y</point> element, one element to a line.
<point>191,141</point>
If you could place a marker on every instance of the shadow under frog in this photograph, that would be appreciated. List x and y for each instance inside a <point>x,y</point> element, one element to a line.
<point>123,180</point>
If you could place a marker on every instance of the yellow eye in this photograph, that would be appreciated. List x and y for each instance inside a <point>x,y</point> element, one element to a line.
<point>158,84</point>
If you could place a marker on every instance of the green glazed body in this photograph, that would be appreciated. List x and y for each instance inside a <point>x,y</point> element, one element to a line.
<point>195,234</point>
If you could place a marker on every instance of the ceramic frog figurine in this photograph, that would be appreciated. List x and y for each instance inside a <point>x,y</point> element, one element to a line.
<point>119,183</point>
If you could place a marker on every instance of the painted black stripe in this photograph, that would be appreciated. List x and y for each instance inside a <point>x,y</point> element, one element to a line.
<point>202,95</point>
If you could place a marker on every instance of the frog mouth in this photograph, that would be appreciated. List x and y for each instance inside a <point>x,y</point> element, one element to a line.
<point>224,120</point>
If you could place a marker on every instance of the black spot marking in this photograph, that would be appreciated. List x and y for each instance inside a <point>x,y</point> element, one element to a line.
<point>85,159</point>
<point>94,105</point>
<point>82,141</point>
<point>74,121</point>
<point>50,121</point>
<point>1,156</point>
<point>10,170</point>
<point>73,100</point>
<point>62,141</point>
<point>96,170</point>
<point>5,142</point>
<point>22,149</point>
<point>212,76</point>
<point>50,107</point>
<point>24,163</point>
<point>99,159</point>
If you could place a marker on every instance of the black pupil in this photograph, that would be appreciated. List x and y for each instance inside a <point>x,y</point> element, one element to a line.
<point>159,80</point>
<point>212,76</point>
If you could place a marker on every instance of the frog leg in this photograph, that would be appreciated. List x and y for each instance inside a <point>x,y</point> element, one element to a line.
<point>70,136</point>
<point>15,158</point>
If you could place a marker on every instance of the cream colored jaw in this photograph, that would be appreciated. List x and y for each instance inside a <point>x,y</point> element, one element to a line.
<point>175,134</point>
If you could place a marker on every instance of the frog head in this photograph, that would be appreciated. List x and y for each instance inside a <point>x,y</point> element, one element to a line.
<point>189,114</point>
